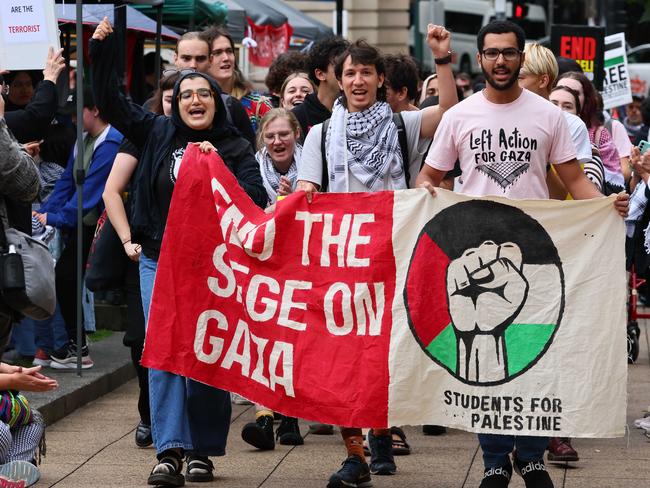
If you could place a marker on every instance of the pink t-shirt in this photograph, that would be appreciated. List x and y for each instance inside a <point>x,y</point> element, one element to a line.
<point>503,149</point>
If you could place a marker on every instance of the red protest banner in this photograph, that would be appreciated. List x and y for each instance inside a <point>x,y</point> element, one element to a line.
<point>271,42</point>
<point>296,323</point>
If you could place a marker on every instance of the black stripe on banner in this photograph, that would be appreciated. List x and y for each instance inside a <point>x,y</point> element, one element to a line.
<point>613,45</point>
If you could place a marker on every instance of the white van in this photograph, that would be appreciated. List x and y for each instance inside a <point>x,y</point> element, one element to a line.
<point>464,18</point>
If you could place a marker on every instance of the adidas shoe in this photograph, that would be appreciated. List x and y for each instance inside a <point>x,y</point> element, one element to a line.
<point>534,474</point>
<point>498,477</point>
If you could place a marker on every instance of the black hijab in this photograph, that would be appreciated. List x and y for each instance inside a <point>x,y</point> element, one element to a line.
<point>220,126</point>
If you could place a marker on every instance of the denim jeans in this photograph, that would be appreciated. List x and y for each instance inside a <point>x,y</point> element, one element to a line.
<point>49,334</point>
<point>496,448</point>
<point>185,414</point>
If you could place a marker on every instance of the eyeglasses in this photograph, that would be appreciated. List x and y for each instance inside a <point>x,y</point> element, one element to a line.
<point>181,72</point>
<point>201,93</point>
<point>284,135</point>
<point>509,54</point>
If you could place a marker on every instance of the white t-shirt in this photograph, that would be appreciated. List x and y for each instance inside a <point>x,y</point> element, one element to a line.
<point>311,164</point>
<point>579,136</point>
<point>503,149</point>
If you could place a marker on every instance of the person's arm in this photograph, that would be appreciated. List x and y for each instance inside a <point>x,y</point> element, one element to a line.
<point>118,179</point>
<point>439,39</point>
<point>133,121</point>
<point>93,187</point>
<point>575,181</point>
<point>310,167</point>
<point>32,122</point>
<point>26,379</point>
<point>19,177</point>
<point>430,178</point>
<point>63,188</point>
<point>556,190</point>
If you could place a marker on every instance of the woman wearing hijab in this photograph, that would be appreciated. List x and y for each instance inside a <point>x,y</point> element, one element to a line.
<point>188,418</point>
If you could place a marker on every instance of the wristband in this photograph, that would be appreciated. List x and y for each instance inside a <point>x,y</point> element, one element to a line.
<point>125,241</point>
<point>444,60</point>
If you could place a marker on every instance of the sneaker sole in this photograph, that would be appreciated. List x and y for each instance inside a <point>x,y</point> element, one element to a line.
<point>42,362</point>
<point>199,477</point>
<point>291,441</point>
<point>345,484</point>
<point>383,472</point>
<point>562,459</point>
<point>20,471</point>
<point>57,365</point>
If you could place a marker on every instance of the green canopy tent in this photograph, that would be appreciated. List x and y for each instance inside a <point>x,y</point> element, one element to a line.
<point>186,14</point>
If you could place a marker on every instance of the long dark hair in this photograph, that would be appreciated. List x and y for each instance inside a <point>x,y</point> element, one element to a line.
<point>590,114</point>
<point>572,92</point>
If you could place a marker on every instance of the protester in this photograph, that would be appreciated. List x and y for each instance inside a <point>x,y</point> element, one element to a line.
<point>401,82</point>
<point>429,88</point>
<point>193,52</point>
<point>633,121</point>
<point>279,157</point>
<point>188,417</point>
<point>20,89</point>
<point>464,83</point>
<point>101,142</point>
<point>599,135</point>
<point>362,132</point>
<point>317,107</point>
<point>280,69</point>
<point>30,122</point>
<point>538,74</point>
<point>294,90</point>
<point>117,183</point>
<point>19,180</point>
<point>224,70</point>
<point>505,106</point>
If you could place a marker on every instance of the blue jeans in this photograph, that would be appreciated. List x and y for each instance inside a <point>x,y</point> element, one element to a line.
<point>185,414</point>
<point>496,448</point>
<point>48,334</point>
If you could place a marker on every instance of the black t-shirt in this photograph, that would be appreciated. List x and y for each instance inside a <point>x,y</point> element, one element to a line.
<point>129,148</point>
<point>163,190</point>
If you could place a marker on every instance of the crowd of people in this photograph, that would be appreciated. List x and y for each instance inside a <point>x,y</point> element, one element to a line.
<point>342,117</point>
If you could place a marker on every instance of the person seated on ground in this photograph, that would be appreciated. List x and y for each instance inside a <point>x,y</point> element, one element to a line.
<point>295,89</point>
<point>21,427</point>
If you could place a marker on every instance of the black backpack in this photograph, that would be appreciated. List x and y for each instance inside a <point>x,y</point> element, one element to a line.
<point>398,120</point>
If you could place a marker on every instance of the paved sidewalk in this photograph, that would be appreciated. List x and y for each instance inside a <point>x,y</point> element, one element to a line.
<point>94,447</point>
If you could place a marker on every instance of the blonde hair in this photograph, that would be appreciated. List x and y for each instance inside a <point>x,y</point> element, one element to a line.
<point>293,76</point>
<point>539,61</point>
<point>270,116</point>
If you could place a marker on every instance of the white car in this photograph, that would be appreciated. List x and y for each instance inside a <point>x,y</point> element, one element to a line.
<point>638,64</point>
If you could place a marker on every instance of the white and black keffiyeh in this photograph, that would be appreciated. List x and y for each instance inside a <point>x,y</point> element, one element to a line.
<point>368,141</point>
<point>638,204</point>
<point>271,176</point>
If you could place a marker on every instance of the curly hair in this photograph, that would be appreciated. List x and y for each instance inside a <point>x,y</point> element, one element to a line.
<point>283,66</point>
<point>323,53</point>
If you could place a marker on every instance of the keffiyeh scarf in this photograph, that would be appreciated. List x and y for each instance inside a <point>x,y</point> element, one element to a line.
<point>271,176</point>
<point>368,141</point>
<point>638,203</point>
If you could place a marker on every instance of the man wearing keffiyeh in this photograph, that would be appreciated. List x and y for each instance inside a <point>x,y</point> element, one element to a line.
<point>363,154</point>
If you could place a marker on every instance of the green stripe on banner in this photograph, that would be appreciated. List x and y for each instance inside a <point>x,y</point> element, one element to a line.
<point>524,342</point>
<point>613,61</point>
<point>444,347</point>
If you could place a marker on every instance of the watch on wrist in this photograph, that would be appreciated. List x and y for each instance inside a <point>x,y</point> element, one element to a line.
<point>444,60</point>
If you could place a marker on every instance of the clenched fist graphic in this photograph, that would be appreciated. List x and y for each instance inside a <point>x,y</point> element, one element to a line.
<point>486,290</point>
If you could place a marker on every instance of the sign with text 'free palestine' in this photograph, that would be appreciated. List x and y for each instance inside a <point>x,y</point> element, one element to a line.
<point>392,308</point>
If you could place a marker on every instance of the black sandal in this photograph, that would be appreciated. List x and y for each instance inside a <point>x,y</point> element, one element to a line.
<point>400,446</point>
<point>167,472</point>
<point>199,469</point>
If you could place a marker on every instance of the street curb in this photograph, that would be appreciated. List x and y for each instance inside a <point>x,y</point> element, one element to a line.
<point>112,369</point>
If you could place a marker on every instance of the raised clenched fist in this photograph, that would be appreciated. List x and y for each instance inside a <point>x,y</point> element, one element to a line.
<point>486,289</point>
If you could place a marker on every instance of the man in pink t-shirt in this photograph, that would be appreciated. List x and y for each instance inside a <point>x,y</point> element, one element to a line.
<point>505,137</point>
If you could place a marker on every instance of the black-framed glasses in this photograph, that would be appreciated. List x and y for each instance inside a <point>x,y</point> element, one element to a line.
<point>181,72</point>
<point>201,93</point>
<point>509,53</point>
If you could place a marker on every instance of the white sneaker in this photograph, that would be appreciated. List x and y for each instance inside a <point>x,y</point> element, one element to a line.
<point>239,400</point>
<point>642,423</point>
